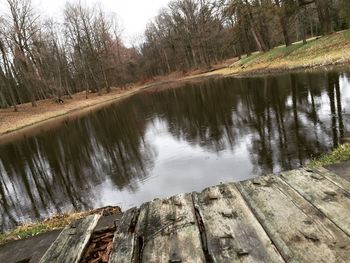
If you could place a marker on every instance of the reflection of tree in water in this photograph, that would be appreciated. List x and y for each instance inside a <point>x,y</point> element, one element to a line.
<point>333,91</point>
<point>59,169</point>
<point>281,137</point>
<point>280,116</point>
<point>120,137</point>
<point>201,116</point>
<point>282,119</point>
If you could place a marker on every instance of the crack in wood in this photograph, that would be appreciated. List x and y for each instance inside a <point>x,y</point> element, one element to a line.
<point>267,219</point>
<point>201,227</point>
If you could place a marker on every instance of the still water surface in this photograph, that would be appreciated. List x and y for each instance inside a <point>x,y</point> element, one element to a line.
<point>160,143</point>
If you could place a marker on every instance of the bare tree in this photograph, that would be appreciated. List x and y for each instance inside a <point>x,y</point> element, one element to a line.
<point>42,59</point>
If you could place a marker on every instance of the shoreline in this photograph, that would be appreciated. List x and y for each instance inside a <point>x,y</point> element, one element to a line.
<point>320,54</point>
<point>18,129</point>
<point>58,116</point>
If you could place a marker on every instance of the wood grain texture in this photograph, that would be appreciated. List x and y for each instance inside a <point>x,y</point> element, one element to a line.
<point>323,193</point>
<point>334,178</point>
<point>301,216</point>
<point>70,244</point>
<point>169,231</point>
<point>232,232</point>
<point>300,231</point>
<point>124,248</point>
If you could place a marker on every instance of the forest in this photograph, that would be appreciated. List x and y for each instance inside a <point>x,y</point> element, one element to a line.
<point>42,58</point>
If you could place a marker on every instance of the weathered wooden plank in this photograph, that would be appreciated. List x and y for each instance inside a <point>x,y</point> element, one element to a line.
<point>232,232</point>
<point>169,231</point>
<point>124,243</point>
<point>70,244</point>
<point>300,231</point>
<point>329,198</point>
<point>334,178</point>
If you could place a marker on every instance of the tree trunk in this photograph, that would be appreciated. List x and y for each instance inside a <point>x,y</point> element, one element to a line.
<point>283,22</point>
<point>167,61</point>
<point>258,39</point>
<point>301,22</point>
<point>348,8</point>
<point>256,34</point>
<point>324,17</point>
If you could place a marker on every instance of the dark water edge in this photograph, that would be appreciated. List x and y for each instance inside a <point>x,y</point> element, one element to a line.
<point>160,143</point>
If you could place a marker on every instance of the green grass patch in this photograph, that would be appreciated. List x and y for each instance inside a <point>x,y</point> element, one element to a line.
<point>282,51</point>
<point>318,51</point>
<point>273,54</point>
<point>33,229</point>
<point>340,154</point>
<point>55,222</point>
<point>246,59</point>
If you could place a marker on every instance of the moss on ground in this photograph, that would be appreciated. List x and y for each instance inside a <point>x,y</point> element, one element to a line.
<point>338,155</point>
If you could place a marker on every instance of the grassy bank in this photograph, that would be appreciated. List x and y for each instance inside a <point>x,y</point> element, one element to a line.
<point>338,155</point>
<point>33,229</point>
<point>53,223</point>
<point>318,52</point>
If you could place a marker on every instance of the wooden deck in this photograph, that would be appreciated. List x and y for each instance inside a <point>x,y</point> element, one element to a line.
<point>300,216</point>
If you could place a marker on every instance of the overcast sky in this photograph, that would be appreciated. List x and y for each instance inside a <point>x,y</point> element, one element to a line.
<point>134,14</point>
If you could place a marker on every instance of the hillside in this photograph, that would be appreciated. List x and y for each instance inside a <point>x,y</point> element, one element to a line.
<point>330,50</point>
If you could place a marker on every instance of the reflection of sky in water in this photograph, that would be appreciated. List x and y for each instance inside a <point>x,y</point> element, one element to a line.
<point>179,167</point>
<point>182,167</point>
<point>158,144</point>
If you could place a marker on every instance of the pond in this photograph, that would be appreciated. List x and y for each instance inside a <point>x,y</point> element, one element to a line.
<point>163,142</point>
